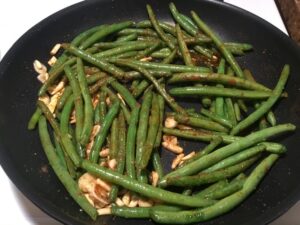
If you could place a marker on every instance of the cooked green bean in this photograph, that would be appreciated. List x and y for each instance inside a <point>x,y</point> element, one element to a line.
<point>208,149</point>
<point>161,53</point>
<point>170,58</point>
<point>165,67</point>
<point>183,48</point>
<point>205,135</point>
<point>216,91</point>
<point>114,138</point>
<point>146,52</point>
<point>123,48</point>
<point>211,177</point>
<point>34,119</point>
<point>62,100</point>
<point>54,75</point>
<point>211,188</point>
<point>142,32</point>
<point>64,139</point>
<point>265,106</point>
<point>237,111</point>
<point>270,115</point>
<point>88,106</point>
<point>125,93</point>
<point>228,150</point>
<point>129,37</point>
<point>158,29</point>
<point>140,88</point>
<point>143,124</point>
<point>222,206</point>
<point>204,51</point>
<point>101,136</point>
<point>227,54</point>
<point>105,66</point>
<point>147,148</point>
<point>131,141</point>
<point>140,212</point>
<point>173,104</point>
<point>121,155</point>
<point>183,23</point>
<point>65,115</point>
<point>79,115</point>
<point>216,118</point>
<point>199,122</point>
<point>61,172</point>
<point>236,158</point>
<point>144,189</point>
<point>101,33</point>
<point>232,187</point>
<point>60,154</point>
<point>218,79</point>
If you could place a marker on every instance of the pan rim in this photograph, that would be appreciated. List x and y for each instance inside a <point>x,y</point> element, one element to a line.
<point>6,163</point>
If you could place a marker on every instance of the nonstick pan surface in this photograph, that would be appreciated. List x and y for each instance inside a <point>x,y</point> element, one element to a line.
<point>21,154</point>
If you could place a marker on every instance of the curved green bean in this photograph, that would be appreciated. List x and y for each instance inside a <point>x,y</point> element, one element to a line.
<point>235,147</point>
<point>101,33</point>
<point>157,27</point>
<point>79,115</point>
<point>222,206</point>
<point>220,45</point>
<point>265,106</point>
<point>101,136</point>
<point>64,177</point>
<point>144,189</point>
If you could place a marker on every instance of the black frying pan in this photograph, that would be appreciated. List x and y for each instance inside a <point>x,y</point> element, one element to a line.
<point>20,151</point>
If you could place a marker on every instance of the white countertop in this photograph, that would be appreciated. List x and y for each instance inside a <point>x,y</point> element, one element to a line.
<point>16,17</point>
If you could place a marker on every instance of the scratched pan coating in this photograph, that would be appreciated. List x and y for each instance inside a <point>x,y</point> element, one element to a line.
<point>21,154</point>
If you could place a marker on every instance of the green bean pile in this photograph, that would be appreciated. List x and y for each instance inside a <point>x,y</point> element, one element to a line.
<point>111,99</point>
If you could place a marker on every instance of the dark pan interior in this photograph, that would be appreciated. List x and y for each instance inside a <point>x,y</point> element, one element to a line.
<point>20,151</point>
